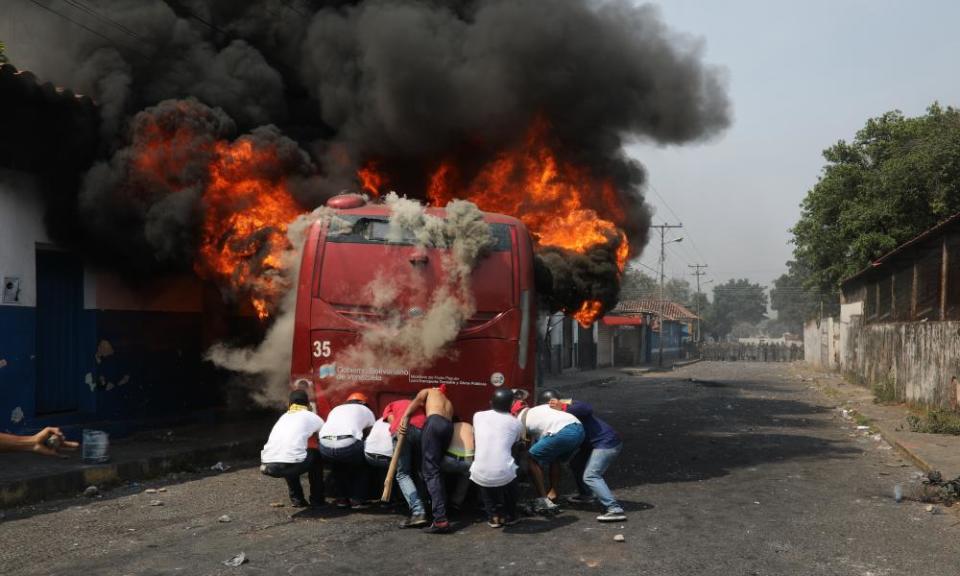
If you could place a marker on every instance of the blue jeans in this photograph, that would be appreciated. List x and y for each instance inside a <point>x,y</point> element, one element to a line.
<point>404,474</point>
<point>558,447</point>
<point>349,469</point>
<point>589,466</point>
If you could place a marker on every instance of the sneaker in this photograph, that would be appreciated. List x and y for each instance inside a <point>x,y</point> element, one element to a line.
<point>443,527</point>
<point>298,502</point>
<point>342,503</point>
<point>545,506</point>
<point>495,522</point>
<point>415,521</point>
<point>612,516</point>
<point>358,505</point>
<point>581,499</point>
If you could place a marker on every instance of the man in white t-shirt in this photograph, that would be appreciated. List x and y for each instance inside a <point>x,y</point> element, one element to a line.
<point>341,444</point>
<point>494,469</point>
<point>558,438</point>
<point>286,455</point>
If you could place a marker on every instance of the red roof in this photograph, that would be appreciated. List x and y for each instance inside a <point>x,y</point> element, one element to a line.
<point>622,320</point>
<point>666,308</point>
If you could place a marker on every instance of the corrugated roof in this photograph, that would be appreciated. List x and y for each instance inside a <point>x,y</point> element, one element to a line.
<point>668,309</point>
<point>929,233</point>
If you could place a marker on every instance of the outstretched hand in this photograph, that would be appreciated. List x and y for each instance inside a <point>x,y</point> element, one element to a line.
<point>50,441</point>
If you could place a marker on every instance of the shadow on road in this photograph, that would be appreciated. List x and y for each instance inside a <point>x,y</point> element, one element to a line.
<point>681,430</point>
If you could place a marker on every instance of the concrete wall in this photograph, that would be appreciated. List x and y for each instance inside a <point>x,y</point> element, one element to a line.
<point>917,359</point>
<point>821,343</point>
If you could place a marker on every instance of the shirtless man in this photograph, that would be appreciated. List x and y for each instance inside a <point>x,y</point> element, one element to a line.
<point>436,436</point>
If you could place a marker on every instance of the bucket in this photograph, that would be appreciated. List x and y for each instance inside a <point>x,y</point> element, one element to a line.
<point>96,445</point>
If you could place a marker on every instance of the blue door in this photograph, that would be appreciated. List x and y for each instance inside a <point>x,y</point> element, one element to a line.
<point>59,305</point>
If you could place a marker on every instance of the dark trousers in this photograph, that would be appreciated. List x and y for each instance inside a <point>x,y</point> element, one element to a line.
<point>312,466</point>
<point>500,501</point>
<point>349,469</point>
<point>436,436</point>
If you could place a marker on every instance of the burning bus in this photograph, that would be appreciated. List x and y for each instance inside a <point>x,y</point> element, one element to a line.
<point>340,300</point>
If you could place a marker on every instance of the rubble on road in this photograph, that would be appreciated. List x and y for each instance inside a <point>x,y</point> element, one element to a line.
<point>156,502</point>
<point>220,467</point>
<point>237,560</point>
<point>224,518</point>
<point>619,538</point>
<point>91,491</point>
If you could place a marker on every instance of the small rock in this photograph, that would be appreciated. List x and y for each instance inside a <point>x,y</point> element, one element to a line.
<point>91,491</point>
<point>930,508</point>
<point>156,502</point>
<point>863,427</point>
<point>237,560</point>
<point>619,538</point>
<point>161,489</point>
<point>220,467</point>
<point>150,491</point>
<point>277,504</point>
<point>224,518</point>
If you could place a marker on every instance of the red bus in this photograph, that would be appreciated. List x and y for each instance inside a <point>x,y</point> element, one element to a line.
<point>496,347</point>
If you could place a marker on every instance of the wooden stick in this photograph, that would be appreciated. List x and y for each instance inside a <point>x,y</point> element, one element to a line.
<point>392,470</point>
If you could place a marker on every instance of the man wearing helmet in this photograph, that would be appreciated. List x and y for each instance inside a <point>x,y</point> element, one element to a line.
<point>494,469</point>
<point>341,444</point>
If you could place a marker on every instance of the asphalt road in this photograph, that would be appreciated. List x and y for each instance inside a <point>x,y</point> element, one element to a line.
<point>746,470</point>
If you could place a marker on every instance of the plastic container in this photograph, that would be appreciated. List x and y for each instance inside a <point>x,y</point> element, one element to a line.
<point>96,446</point>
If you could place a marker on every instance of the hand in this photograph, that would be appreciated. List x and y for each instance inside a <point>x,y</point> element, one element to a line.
<point>555,404</point>
<point>402,429</point>
<point>41,438</point>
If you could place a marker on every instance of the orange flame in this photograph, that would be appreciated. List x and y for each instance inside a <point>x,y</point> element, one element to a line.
<point>559,202</point>
<point>245,224</point>
<point>371,179</point>
<point>588,313</point>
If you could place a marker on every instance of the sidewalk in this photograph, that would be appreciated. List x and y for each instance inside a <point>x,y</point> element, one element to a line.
<point>927,451</point>
<point>27,477</point>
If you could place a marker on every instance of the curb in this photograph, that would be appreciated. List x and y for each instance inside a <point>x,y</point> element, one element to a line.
<point>687,362</point>
<point>910,455</point>
<point>72,482</point>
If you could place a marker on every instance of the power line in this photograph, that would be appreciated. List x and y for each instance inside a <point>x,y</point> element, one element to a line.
<point>676,217</point>
<point>85,27</point>
<point>81,6</point>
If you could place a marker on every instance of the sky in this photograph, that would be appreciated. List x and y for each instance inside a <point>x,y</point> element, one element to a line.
<point>802,75</point>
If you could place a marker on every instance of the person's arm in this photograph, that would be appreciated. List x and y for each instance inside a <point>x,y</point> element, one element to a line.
<point>35,443</point>
<point>576,408</point>
<point>418,401</point>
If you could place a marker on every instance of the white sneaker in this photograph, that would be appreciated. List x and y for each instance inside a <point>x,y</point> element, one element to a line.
<point>545,505</point>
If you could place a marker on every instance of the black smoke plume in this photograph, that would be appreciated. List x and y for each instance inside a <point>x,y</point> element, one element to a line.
<point>404,82</point>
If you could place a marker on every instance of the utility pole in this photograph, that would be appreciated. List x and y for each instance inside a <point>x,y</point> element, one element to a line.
<point>663,244</point>
<point>698,272</point>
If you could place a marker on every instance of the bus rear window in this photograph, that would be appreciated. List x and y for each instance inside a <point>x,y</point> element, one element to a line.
<point>373,230</point>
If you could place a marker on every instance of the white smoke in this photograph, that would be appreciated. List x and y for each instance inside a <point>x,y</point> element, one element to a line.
<point>411,343</point>
<point>270,359</point>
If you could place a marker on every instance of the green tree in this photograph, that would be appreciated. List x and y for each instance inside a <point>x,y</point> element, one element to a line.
<point>636,284</point>
<point>3,57</point>
<point>736,301</point>
<point>897,178</point>
<point>795,300</point>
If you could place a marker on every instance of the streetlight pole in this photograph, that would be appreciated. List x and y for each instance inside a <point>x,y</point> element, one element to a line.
<point>698,272</point>
<point>663,243</point>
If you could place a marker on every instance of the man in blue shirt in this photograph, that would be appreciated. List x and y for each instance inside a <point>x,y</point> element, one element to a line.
<point>600,448</point>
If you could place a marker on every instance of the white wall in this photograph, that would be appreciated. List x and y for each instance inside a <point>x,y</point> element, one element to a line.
<point>21,228</point>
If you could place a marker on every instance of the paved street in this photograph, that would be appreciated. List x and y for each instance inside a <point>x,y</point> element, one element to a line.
<point>744,470</point>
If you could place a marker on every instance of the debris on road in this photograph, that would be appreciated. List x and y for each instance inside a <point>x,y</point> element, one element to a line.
<point>277,504</point>
<point>898,493</point>
<point>156,502</point>
<point>161,489</point>
<point>224,518</point>
<point>237,560</point>
<point>150,491</point>
<point>220,467</point>
<point>619,538</point>
<point>91,491</point>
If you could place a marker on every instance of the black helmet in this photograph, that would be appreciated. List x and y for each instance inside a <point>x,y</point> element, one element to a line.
<point>502,400</point>
<point>548,395</point>
<point>299,396</point>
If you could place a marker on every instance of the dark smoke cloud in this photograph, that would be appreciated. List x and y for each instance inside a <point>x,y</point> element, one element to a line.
<point>405,82</point>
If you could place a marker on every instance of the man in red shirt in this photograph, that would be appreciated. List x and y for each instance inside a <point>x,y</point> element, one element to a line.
<point>393,413</point>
